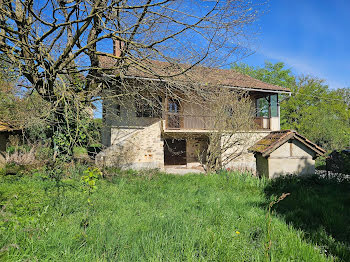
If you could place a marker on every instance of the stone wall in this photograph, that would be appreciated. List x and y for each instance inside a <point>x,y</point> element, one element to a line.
<point>121,116</point>
<point>143,147</point>
<point>134,148</point>
<point>245,160</point>
<point>195,148</point>
<point>291,158</point>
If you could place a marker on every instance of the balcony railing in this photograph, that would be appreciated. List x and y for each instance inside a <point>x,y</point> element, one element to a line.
<point>262,122</point>
<point>176,121</point>
<point>183,121</point>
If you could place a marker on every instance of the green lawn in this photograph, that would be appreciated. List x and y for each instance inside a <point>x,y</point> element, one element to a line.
<point>141,217</point>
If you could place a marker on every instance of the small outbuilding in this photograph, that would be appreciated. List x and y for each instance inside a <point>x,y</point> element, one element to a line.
<point>6,130</point>
<point>285,152</point>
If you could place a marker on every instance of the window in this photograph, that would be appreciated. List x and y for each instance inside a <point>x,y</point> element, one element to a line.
<point>149,107</point>
<point>117,110</point>
<point>262,107</point>
<point>274,105</point>
<point>173,106</point>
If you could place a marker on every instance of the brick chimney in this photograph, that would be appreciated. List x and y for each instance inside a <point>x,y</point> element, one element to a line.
<point>118,47</point>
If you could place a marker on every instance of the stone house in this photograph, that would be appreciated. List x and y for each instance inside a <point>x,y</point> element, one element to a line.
<point>137,137</point>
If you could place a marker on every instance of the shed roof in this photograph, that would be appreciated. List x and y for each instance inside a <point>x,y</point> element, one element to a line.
<point>6,127</point>
<point>198,74</point>
<point>275,139</point>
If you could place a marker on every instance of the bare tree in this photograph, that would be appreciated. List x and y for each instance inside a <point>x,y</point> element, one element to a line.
<point>231,121</point>
<point>54,43</point>
<point>59,46</point>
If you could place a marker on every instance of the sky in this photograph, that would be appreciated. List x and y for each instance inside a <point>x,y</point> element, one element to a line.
<point>309,36</point>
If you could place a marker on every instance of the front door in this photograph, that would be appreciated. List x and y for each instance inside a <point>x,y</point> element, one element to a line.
<point>175,152</point>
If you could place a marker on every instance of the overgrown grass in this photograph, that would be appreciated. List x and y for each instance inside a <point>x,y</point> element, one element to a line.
<point>319,207</point>
<point>149,217</point>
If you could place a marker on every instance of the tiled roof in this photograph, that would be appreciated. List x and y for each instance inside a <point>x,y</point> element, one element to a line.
<point>198,74</point>
<point>275,139</point>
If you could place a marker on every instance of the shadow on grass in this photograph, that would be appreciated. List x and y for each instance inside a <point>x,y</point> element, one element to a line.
<point>318,206</point>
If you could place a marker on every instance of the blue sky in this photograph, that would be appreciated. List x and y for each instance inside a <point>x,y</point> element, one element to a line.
<point>309,36</point>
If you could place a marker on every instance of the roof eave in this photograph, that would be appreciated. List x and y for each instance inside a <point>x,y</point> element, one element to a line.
<point>318,150</point>
<point>232,87</point>
<point>261,90</point>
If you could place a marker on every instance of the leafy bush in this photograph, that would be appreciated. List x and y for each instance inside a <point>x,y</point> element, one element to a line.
<point>339,161</point>
<point>22,157</point>
<point>91,175</point>
<point>14,169</point>
<point>320,163</point>
<point>79,152</point>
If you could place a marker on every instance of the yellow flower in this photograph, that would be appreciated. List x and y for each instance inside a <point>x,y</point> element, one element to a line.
<point>237,232</point>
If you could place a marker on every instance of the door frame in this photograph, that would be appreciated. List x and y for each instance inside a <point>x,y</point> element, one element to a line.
<point>177,146</point>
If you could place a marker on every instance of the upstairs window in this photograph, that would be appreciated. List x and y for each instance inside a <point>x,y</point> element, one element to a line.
<point>149,107</point>
<point>262,107</point>
<point>117,110</point>
<point>266,104</point>
<point>173,106</point>
<point>274,105</point>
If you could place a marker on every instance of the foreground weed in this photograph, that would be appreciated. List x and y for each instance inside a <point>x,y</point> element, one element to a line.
<point>89,179</point>
<point>268,242</point>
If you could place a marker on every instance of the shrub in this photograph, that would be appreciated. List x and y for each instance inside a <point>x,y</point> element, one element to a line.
<point>79,152</point>
<point>22,157</point>
<point>339,161</point>
<point>25,157</point>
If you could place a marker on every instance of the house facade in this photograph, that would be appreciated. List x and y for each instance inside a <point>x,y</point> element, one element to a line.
<point>138,136</point>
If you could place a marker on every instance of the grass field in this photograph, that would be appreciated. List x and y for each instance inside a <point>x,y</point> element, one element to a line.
<point>159,217</point>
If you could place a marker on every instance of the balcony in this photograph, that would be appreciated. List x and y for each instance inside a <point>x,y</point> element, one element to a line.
<point>262,122</point>
<point>176,121</point>
<point>192,122</point>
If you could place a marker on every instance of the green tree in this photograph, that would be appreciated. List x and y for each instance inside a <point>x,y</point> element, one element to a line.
<point>314,110</point>
<point>27,110</point>
<point>275,74</point>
